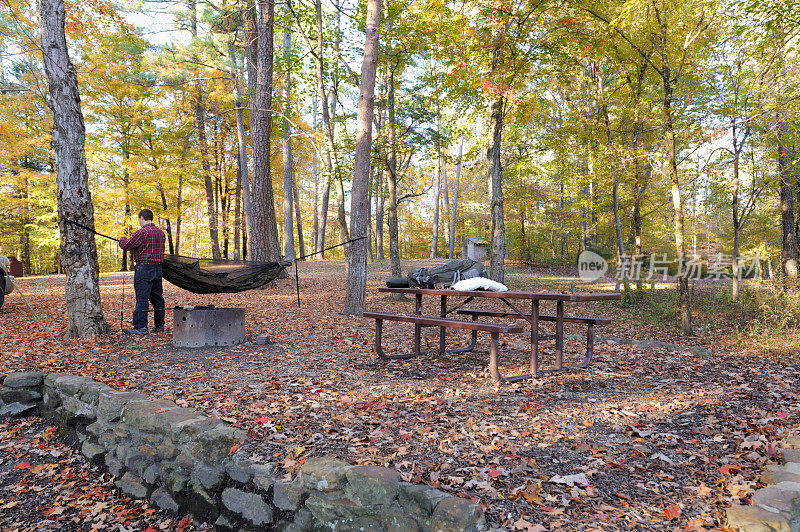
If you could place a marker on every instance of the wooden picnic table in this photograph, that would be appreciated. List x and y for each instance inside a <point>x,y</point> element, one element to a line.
<point>512,299</point>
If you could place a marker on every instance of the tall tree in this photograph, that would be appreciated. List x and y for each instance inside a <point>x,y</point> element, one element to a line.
<point>359,213</point>
<point>78,249</point>
<point>288,232</point>
<point>263,241</point>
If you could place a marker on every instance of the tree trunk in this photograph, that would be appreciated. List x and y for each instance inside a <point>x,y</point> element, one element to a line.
<point>315,172</point>
<point>498,243</point>
<point>126,184</point>
<point>329,159</point>
<point>263,240</point>
<point>437,194</point>
<point>380,199</point>
<point>359,218</point>
<point>244,172</point>
<point>391,210</point>
<point>168,228</point>
<point>288,233</point>
<point>78,251</point>
<point>455,201</point>
<point>677,204</point>
<point>299,217</point>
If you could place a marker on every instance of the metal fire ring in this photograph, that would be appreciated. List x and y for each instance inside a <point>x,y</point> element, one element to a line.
<point>207,326</point>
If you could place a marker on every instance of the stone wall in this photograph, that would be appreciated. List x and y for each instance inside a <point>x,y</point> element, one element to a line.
<point>188,463</point>
<point>776,507</point>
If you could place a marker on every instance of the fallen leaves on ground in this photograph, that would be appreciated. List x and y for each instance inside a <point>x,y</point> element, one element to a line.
<point>46,485</point>
<point>644,439</point>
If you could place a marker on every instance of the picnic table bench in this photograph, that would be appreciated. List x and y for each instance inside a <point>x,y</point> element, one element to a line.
<point>494,330</point>
<point>590,322</point>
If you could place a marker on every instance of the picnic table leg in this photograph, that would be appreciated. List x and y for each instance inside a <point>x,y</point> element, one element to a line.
<point>535,338</point>
<point>443,330</point>
<point>417,326</point>
<point>589,347</point>
<point>559,334</point>
<point>493,345</point>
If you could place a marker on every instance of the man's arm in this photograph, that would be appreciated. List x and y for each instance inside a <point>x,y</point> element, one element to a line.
<point>133,242</point>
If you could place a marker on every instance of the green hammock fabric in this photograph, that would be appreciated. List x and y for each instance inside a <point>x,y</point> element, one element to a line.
<point>210,276</point>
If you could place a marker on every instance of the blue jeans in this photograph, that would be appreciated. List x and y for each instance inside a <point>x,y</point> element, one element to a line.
<point>147,285</point>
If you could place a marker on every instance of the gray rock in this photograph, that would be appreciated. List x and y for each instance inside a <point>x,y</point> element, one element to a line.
<point>454,514</point>
<point>304,519</point>
<point>25,379</point>
<point>111,402</point>
<point>164,500</point>
<point>76,408</point>
<point>223,523</point>
<point>188,430</point>
<point>238,468</point>
<point>324,474</point>
<point>328,509</point>
<point>90,392</point>
<point>755,519</point>
<point>70,384</point>
<point>776,476</point>
<point>207,476</point>
<point>146,415</point>
<point>132,485</point>
<point>115,466</point>
<point>288,496</point>
<point>215,445</point>
<point>774,499</point>
<point>372,485</point>
<point>167,451</point>
<point>250,506</point>
<point>50,379</point>
<point>398,522</point>
<point>92,452</point>
<point>19,395</point>
<point>97,428</point>
<point>185,461</point>
<point>51,399</point>
<point>358,524</point>
<point>15,409</point>
<point>700,351</point>
<point>137,461</point>
<point>151,473</point>
<point>791,455</point>
<point>263,475</point>
<point>288,526</point>
<point>420,499</point>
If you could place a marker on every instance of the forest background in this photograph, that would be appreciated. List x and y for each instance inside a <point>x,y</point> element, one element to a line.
<point>652,128</point>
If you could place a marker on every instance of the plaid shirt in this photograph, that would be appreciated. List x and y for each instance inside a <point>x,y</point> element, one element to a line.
<point>147,244</point>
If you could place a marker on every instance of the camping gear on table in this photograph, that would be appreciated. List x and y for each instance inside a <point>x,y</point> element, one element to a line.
<point>442,276</point>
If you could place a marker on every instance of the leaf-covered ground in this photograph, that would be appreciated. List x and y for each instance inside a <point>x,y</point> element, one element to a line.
<point>46,485</point>
<point>643,440</point>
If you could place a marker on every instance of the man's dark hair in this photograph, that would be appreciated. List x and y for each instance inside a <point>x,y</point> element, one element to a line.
<point>146,215</point>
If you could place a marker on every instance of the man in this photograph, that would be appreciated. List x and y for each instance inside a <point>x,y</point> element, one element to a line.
<point>148,251</point>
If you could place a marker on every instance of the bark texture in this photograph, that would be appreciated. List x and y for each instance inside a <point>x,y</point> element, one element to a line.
<point>359,212</point>
<point>263,241</point>
<point>78,250</point>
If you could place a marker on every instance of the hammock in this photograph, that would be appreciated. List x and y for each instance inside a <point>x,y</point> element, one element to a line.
<point>210,276</point>
<point>215,276</point>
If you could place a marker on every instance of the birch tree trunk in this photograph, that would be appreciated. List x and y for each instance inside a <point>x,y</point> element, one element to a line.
<point>263,240</point>
<point>288,232</point>
<point>359,218</point>
<point>455,201</point>
<point>498,245</point>
<point>77,250</point>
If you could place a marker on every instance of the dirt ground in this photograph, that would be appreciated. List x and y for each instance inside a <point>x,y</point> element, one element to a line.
<point>645,439</point>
